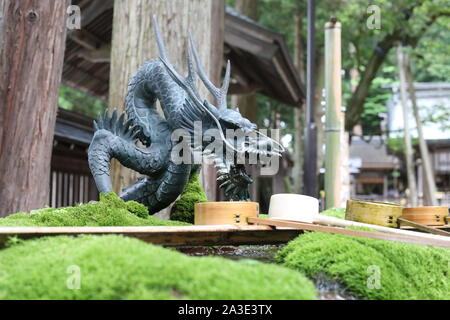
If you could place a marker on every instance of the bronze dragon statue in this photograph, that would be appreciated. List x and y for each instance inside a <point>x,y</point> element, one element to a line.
<point>185,112</point>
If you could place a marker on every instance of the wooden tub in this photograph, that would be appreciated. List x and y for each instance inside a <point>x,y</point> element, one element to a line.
<point>379,213</point>
<point>429,216</point>
<point>216,213</point>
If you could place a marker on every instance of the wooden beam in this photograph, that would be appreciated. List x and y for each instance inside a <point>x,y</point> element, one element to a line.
<point>166,236</point>
<point>370,180</point>
<point>85,39</point>
<point>349,232</point>
<point>90,10</point>
<point>444,227</point>
<point>422,227</point>
<point>100,55</point>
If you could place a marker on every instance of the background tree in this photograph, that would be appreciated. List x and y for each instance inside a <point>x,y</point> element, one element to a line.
<point>421,25</point>
<point>403,22</point>
<point>32,42</point>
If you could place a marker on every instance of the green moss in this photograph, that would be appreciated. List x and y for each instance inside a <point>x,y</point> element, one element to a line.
<point>109,211</point>
<point>407,271</point>
<point>334,212</point>
<point>183,209</point>
<point>115,267</point>
<point>137,209</point>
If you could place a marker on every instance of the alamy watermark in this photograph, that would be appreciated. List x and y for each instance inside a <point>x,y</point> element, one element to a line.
<point>73,282</point>
<point>73,21</point>
<point>374,19</point>
<point>235,147</point>
<point>374,280</point>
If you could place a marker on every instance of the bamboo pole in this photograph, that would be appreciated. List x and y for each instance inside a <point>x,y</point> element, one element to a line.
<point>408,147</point>
<point>424,154</point>
<point>333,114</point>
<point>329,227</point>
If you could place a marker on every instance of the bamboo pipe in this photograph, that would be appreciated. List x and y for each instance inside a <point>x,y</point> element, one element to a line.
<point>333,114</point>
<point>325,220</point>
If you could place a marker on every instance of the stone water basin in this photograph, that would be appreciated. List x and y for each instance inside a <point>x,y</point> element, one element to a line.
<point>327,289</point>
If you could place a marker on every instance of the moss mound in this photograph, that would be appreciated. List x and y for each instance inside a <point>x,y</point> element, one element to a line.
<point>115,267</point>
<point>183,209</point>
<point>109,211</point>
<point>406,271</point>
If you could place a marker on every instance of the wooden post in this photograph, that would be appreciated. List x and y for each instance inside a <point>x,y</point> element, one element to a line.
<point>333,114</point>
<point>299,119</point>
<point>208,172</point>
<point>32,43</point>
<point>310,187</point>
<point>408,146</point>
<point>247,102</point>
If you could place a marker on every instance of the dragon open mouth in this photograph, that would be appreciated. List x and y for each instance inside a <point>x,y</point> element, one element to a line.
<point>261,146</point>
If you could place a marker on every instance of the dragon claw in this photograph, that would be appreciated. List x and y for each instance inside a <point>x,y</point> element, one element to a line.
<point>235,183</point>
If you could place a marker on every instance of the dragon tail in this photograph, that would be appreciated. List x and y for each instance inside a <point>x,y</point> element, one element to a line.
<point>116,138</point>
<point>118,126</point>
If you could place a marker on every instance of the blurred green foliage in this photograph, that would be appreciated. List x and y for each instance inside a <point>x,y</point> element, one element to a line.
<point>438,114</point>
<point>74,100</point>
<point>397,144</point>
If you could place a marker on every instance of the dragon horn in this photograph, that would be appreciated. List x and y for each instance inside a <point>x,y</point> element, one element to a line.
<point>162,49</point>
<point>219,94</point>
<point>185,83</point>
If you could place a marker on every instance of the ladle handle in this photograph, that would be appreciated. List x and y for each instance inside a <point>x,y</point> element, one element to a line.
<point>321,219</point>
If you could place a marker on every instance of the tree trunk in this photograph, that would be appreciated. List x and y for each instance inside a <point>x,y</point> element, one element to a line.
<point>133,43</point>
<point>208,173</point>
<point>247,102</point>
<point>299,118</point>
<point>430,190</point>
<point>32,43</point>
<point>408,147</point>
<point>356,103</point>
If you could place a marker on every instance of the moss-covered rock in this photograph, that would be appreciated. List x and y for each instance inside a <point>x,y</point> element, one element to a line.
<point>109,211</point>
<point>406,271</point>
<point>183,209</point>
<point>115,267</point>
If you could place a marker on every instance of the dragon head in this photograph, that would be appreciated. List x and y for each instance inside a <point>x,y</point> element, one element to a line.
<point>242,137</point>
<point>239,137</point>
